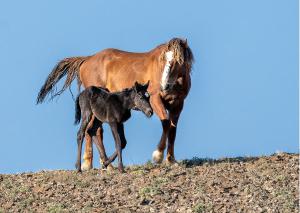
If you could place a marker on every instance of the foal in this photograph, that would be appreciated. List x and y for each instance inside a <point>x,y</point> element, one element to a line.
<point>111,108</point>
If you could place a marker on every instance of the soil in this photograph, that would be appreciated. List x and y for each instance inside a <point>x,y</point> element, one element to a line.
<point>251,184</point>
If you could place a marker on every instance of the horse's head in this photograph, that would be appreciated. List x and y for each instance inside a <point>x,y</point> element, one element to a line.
<point>141,99</point>
<point>177,59</point>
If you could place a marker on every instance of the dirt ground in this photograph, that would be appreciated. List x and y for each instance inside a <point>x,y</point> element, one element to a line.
<point>264,184</point>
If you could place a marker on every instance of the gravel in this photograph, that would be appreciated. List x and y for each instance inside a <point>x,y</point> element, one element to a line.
<point>251,184</point>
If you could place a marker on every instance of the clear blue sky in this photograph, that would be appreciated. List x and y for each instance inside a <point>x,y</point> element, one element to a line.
<point>244,96</point>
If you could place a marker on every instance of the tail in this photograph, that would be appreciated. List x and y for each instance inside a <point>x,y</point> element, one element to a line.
<point>77,111</point>
<point>69,66</point>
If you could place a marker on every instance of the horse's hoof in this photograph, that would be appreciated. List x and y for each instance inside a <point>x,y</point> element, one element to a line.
<point>173,164</point>
<point>86,166</point>
<point>171,161</point>
<point>79,171</point>
<point>157,156</point>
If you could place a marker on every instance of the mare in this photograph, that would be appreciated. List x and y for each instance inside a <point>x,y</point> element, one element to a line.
<point>167,67</point>
<point>111,108</point>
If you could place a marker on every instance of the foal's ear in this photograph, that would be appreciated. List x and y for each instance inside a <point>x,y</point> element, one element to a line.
<point>145,86</point>
<point>136,86</point>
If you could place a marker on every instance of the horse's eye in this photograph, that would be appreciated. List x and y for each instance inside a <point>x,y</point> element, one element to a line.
<point>147,95</point>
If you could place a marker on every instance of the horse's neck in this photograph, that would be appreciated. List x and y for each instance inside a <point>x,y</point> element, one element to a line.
<point>157,65</point>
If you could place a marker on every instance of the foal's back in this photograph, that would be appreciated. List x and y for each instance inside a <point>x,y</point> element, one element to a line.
<point>107,107</point>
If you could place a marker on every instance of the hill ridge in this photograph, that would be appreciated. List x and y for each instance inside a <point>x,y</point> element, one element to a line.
<point>241,184</point>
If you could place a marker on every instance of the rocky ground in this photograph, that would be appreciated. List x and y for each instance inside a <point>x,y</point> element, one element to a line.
<point>264,184</point>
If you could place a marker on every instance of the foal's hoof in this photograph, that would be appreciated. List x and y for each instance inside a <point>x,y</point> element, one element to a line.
<point>78,169</point>
<point>121,170</point>
<point>110,168</point>
<point>157,156</point>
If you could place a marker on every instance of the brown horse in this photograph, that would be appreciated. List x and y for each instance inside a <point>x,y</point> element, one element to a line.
<point>167,67</point>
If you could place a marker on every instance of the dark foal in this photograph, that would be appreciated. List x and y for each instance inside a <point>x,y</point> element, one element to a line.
<point>96,106</point>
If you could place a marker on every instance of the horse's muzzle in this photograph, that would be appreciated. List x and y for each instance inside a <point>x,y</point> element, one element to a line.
<point>167,88</point>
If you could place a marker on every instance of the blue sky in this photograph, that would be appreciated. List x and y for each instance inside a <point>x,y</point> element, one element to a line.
<point>244,96</point>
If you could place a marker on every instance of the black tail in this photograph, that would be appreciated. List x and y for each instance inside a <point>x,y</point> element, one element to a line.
<point>77,111</point>
<point>69,66</point>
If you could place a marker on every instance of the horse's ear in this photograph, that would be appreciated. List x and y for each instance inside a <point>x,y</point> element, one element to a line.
<point>185,42</point>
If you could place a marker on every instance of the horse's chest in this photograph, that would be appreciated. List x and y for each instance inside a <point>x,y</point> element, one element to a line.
<point>176,95</point>
<point>172,97</point>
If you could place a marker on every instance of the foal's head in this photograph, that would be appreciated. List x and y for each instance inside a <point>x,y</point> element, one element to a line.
<point>141,99</point>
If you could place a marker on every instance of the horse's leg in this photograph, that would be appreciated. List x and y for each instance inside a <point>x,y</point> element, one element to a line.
<point>114,129</point>
<point>80,137</point>
<point>123,145</point>
<point>174,116</point>
<point>160,110</point>
<point>88,152</point>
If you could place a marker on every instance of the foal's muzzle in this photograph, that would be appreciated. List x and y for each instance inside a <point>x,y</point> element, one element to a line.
<point>149,113</point>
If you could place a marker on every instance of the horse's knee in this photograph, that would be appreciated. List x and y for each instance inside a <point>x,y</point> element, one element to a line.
<point>166,124</point>
<point>172,129</point>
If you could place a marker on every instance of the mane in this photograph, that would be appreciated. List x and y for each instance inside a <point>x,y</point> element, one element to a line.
<point>124,91</point>
<point>181,52</point>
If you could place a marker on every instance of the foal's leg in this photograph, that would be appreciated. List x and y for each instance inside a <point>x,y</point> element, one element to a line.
<point>88,152</point>
<point>99,142</point>
<point>80,136</point>
<point>174,116</point>
<point>114,129</point>
<point>100,145</point>
<point>160,110</point>
<point>123,144</point>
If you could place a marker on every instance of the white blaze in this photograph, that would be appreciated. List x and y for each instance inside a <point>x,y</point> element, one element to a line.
<point>165,75</point>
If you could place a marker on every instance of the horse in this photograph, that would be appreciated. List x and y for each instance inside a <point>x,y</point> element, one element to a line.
<point>111,108</point>
<point>167,67</point>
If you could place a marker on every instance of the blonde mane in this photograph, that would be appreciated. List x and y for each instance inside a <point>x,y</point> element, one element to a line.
<point>181,52</point>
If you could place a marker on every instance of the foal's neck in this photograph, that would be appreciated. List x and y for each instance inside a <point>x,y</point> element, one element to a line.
<point>127,100</point>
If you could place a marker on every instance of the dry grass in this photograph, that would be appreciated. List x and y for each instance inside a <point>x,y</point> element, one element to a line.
<point>265,184</point>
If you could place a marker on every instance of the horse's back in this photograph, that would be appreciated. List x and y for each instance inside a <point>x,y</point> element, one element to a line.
<point>118,52</point>
<point>115,69</point>
<point>116,56</point>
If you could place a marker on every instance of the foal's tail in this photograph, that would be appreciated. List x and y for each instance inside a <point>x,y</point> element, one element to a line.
<point>77,111</point>
<point>67,66</point>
